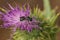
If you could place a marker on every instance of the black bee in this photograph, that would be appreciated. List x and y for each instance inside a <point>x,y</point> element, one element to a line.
<point>25,18</point>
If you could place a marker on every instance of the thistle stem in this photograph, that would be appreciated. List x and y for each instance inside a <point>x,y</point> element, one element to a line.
<point>47,8</point>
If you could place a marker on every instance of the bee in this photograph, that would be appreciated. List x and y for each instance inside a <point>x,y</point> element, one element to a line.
<point>25,18</point>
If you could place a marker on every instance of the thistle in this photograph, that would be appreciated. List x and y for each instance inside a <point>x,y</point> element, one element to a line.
<point>47,19</point>
<point>31,25</point>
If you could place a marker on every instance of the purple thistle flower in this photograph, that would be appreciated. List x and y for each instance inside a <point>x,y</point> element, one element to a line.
<point>19,18</point>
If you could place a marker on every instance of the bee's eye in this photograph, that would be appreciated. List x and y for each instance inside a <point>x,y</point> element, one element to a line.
<point>22,18</point>
<point>29,18</point>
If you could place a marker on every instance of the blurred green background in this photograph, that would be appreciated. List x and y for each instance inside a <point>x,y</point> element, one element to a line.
<point>5,34</point>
